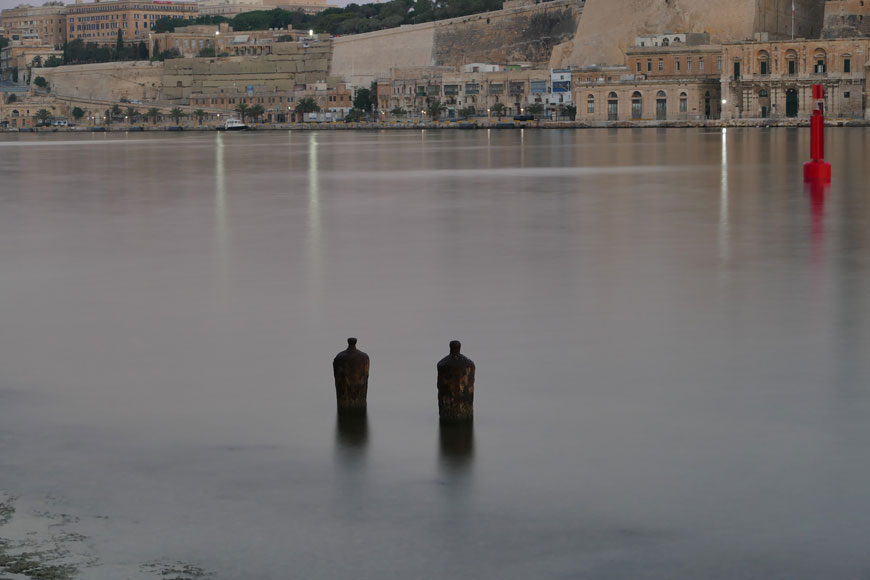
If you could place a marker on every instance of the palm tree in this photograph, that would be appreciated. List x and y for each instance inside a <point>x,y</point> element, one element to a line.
<point>498,109</point>
<point>77,114</point>
<point>307,105</point>
<point>466,112</point>
<point>436,107</point>
<point>535,109</point>
<point>200,114</point>
<point>256,112</point>
<point>132,114</point>
<point>176,114</point>
<point>243,110</point>
<point>116,111</point>
<point>153,114</point>
<point>42,116</point>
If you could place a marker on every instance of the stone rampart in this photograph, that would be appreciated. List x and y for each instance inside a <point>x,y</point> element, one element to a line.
<point>846,18</point>
<point>111,81</point>
<point>524,33</point>
<point>609,27</point>
<point>290,64</point>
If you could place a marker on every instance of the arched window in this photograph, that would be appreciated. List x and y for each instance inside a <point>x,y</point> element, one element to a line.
<point>763,93</point>
<point>15,113</point>
<point>612,107</point>
<point>684,103</point>
<point>636,105</point>
<point>590,104</point>
<point>677,40</point>
<point>763,62</point>
<point>820,61</point>
<point>791,61</point>
<point>666,42</point>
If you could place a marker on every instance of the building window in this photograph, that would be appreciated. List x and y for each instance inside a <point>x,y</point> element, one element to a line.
<point>689,64</point>
<point>661,65</point>
<point>684,103</point>
<point>636,105</point>
<point>846,95</point>
<point>719,63</point>
<point>677,64</point>
<point>649,65</point>
<point>847,65</point>
<point>612,107</point>
<point>638,66</point>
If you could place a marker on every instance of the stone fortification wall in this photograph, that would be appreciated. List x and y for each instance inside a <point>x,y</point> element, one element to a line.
<point>111,81</point>
<point>289,65</point>
<point>846,18</point>
<point>608,27</point>
<point>524,33</point>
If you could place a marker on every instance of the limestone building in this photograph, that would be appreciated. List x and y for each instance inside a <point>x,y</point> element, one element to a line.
<point>774,79</point>
<point>669,77</point>
<point>230,8</point>
<point>100,21</point>
<point>47,23</point>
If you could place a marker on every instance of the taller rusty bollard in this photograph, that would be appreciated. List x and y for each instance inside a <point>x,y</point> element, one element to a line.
<point>351,369</point>
<point>455,386</point>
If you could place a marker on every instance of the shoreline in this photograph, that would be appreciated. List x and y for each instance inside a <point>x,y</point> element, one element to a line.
<point>453,125</point>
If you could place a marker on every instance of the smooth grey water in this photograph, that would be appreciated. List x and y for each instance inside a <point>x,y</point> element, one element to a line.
<point>671,342</point>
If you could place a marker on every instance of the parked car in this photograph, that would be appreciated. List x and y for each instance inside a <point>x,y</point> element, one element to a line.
<point>125,100</point>
<point>59,123</point>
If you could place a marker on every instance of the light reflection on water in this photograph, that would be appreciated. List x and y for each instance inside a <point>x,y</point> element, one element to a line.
<point>670,336</point>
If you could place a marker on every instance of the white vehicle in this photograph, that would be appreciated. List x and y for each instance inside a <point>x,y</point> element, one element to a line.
<point>59,123</point>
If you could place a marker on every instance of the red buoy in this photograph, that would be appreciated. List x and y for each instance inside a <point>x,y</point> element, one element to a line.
<point>817,170</point>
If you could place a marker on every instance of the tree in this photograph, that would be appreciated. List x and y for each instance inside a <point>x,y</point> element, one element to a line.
<point>200,114</point>
<point>119,45</point>
<point>206,51</point>
<point>256,112</point>
<point>108,117</point>
<point>535,109</point>
<point>354,116</point>
<point>307,105</point>
<point>40,82</point>
<point>53,61</point>
<point>4,42</point>
<point>398,112</point>
<point>155,52</point>
<point>36,62</point>
<point>153,114</point>
<point>436,107</point>
<point>77,114</point>
<point>498,109</point>
<point>362,100</point>
<point>176,114</point>
<point>142,51</point>
<point>243,110</point>
<point>132,114</point>
<point>43,116</point>
<point>570,111</point>
<point>116,111</point>
<point>466,112</point>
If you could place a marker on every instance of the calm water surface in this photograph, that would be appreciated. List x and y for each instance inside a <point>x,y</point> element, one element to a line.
<point>671,341</point>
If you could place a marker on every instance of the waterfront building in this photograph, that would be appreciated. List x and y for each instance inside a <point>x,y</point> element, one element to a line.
<point>846,19</point>
<point>334,98</point>
<point>775,79</point>
<point>668,77</point>
<point>46,23</point>
<point>100,21</point>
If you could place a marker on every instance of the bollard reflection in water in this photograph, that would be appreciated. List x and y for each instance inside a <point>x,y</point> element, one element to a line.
<point>456,445</point>
<point>352,429</point>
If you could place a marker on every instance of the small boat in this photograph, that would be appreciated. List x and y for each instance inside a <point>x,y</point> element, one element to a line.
<point>235,125</point>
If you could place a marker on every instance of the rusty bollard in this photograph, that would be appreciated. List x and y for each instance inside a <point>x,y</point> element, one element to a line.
<point>351,369</point>
<point>455,386</point>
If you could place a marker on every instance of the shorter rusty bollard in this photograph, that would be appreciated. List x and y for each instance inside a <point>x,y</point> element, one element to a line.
<point>455,385</point>
<point>351,369</point>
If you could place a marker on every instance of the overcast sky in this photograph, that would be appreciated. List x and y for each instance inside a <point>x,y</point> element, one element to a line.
<point>14,3</point>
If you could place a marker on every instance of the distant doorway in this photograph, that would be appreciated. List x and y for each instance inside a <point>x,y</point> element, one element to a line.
<point>661,106</point>
<point>791,103</point>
